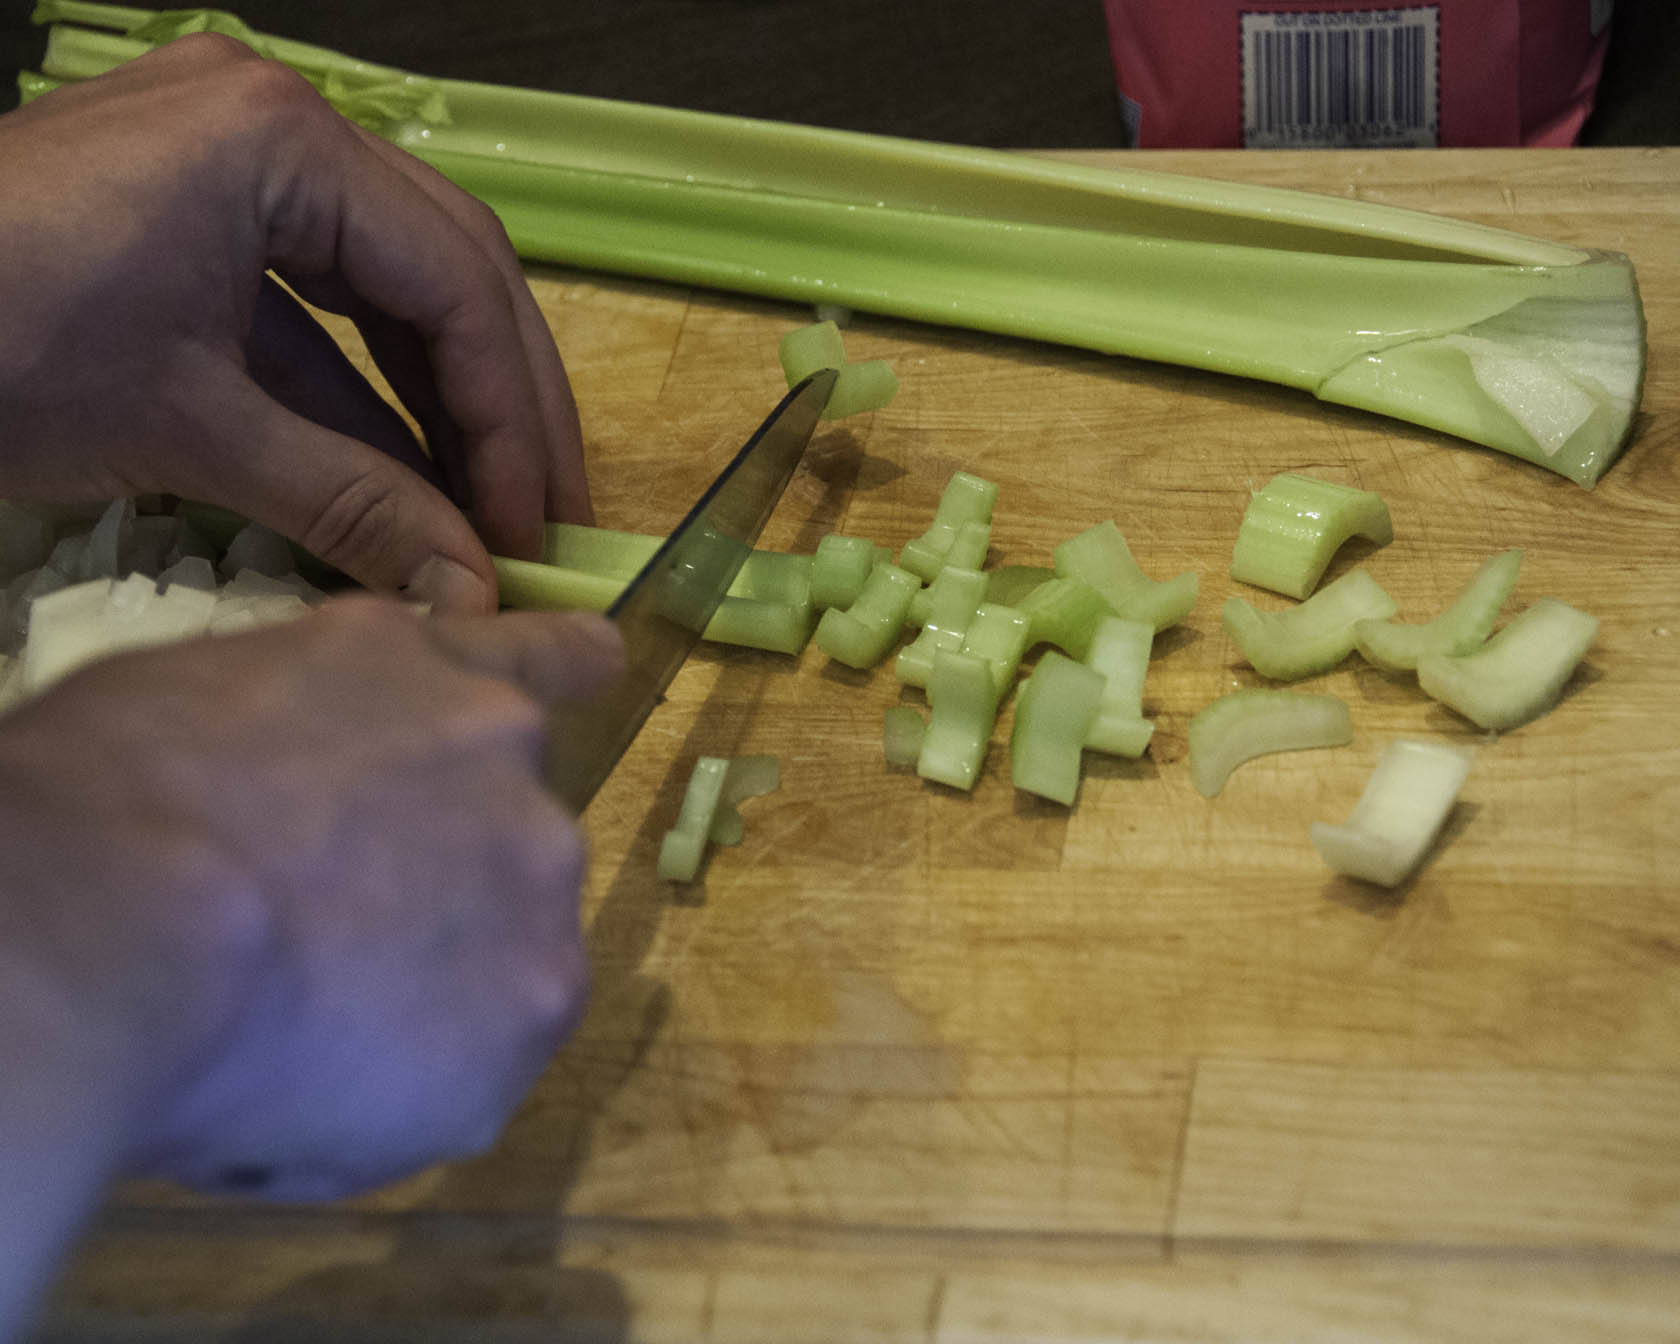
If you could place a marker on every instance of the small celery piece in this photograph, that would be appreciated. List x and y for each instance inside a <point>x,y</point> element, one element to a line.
<point>1009,584</point>
<point>1100,556</point>
<point>950,603</point>
<point>1518,674</point>
<point>860,635</point>
<point>1293,527</point>
<point>963,703</point>
<point>1058,705</point>
<point>964,513</point>
<point>903,730</point>
<point>1399,814</point>
<point>1120,652</point>
<point>1244,724</point>
<point>710,810</point>
<point>1398,647</point>
<point>842,567</point>
<point>1437,321</point>
<point>864,385</point>
<point>1312,636</point>
<point>1000,636</point>
<point>806,350</point>
<point>1065,612</point>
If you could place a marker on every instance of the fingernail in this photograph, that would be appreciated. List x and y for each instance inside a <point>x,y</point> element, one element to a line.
<point>449,586</point>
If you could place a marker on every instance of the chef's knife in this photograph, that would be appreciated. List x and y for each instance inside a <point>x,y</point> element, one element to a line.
<point>664,610</point>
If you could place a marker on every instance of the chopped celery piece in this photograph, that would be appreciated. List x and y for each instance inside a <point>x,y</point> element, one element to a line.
<point>1100,556</point>
<point>1065,612</point>
<point>1057,706</point>
<point>1293,527</point>
<point>710,810</point>
<point>1434,320</point>
<point>860,635</point>
<point>1312,636</point>
<point>842,566</point>
<point>1120,652</point>
<point>1244,724</point>
<point>1519,673</point>
<point>999,635</point>
<point>1009,584</point>
<point>864,385</point>
<point>963,703</point>
<point>1397,647</point>
<point>807,349</point>
<point>1398,815</point>
<point>964,514</point>
<point>903,729</point>
<point>951,601</point>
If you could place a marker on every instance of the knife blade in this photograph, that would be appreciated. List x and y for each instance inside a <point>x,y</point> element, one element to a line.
<point>663,611</point>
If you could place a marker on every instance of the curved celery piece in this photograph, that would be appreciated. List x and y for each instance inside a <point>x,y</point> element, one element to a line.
<point>864,385</point>
<point>1000,636</point>
<point>710,810</point>
<point>903,730</point>
<point>964,514</point>
<point>1518,674</point>
<point>950,603</point>
<point>1054,713</point>
<point>1398,816</point>
<point>1065,612</point>
<point>1100,556</point>
<point>1438,321</point>
<point>805,350</point>
<point>841,568</point>
<point>860,635</point>
<point>1244,724</point>
<point>1008,584</point>
<point>1312,636</point>
<point>963,705</point>
<point>1120,652</point>
<point>1293,527</point>
<point>1397,647</point>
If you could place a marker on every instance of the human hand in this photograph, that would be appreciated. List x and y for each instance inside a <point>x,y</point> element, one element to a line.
<point>300,894</point>
<point>142,350</point>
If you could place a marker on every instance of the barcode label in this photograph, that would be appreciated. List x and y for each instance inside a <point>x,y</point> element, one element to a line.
<point>1333,78</point>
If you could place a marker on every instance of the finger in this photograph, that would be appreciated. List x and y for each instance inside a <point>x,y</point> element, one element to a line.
<point>568,489</point>
<point>552,656</point>
<point>442,282</point>
<point>293,358</point>
<point>345,502</point>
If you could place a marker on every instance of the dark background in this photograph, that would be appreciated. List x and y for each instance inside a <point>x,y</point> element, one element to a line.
<point>1009,73</point>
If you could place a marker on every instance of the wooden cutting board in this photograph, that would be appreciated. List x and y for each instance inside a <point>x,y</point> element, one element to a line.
<point>911,1064</point>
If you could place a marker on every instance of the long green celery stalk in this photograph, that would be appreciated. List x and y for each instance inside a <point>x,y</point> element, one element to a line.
<point>1517,343</point>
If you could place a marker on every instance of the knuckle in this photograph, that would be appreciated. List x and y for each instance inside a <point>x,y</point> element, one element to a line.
<point>359,523</point>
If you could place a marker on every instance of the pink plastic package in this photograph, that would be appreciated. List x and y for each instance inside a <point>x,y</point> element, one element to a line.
<point>1312,74</point>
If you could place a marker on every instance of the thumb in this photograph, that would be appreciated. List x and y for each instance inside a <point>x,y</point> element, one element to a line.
<point>356,508</point>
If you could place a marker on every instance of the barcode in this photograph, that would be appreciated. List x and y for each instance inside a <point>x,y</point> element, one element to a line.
<point>1330,78</point>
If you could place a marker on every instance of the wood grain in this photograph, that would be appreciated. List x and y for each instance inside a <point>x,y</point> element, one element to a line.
<point>917,1065</point>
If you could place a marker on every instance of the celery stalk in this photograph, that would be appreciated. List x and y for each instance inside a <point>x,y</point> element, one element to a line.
<point>1312,636</point>
<point>1518,674</point>
<point>1398,816</point>
<point>1396,646</point>
<point>1244,724</point>
<point>1293,527</point>
<point>1053,717</point>
<point>841,569</point>
<point>1524,345</point>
